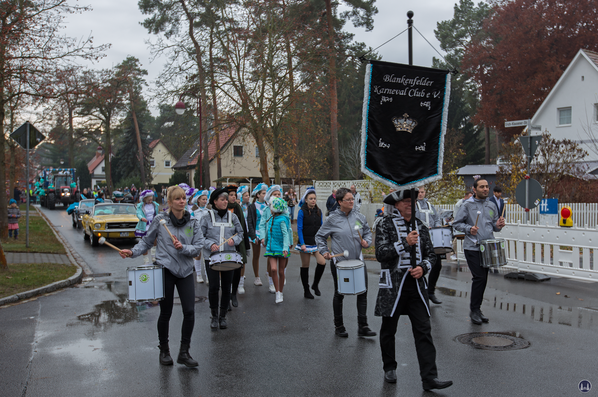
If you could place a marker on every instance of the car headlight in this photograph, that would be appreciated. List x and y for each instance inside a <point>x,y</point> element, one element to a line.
<point>98,226</point>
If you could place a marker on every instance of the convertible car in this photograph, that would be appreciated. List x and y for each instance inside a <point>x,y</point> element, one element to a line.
<point>83,207</point>
<point>109,220</point>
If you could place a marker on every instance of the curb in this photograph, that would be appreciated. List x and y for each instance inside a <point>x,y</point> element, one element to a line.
<point>75,259</point>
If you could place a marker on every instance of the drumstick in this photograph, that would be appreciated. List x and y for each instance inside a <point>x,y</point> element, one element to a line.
<point>357,228</point>
<point>504,206</point>
<point>102,240</point>
<point>163,223</point>
<point>228,239</point>
<point>345,254</point>
<point>476,219</point>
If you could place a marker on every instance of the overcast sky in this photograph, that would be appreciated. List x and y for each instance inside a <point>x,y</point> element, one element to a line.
<point>117,22</point>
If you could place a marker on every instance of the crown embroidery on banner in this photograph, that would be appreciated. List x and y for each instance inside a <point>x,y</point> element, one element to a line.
<point>404,123</point>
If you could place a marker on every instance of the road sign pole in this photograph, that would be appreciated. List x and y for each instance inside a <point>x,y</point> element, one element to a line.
<point>27,188</point>
<point>529,160</point>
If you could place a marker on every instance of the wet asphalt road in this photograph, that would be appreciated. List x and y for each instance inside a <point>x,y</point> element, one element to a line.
<point>87,340</point>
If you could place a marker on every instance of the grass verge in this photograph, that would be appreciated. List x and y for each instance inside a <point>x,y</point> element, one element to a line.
<point>24,277</point>
<point>41,238</point>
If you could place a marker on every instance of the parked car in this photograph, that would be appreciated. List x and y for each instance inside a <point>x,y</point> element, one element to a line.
<point>109,220</point>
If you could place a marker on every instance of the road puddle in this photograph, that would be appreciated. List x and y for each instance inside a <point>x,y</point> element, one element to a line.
<point>579,317</point>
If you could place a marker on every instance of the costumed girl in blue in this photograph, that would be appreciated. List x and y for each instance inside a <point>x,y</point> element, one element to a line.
<point>254,214</point>
<point>273,191</point>
<point>309,220</point>
<point>278,239</point>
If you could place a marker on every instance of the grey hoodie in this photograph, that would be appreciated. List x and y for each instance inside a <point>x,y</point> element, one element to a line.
<point>466,218</point>
<point>212,233</point>
<point>341,230</point>
<point>179,262</point>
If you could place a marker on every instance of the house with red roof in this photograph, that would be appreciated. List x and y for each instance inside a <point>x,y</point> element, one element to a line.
<point>239,158</point>
<point>97,168</point>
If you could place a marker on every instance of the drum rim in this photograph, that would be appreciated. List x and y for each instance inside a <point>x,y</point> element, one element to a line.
<point>144,267</point>
<point>342,265</point>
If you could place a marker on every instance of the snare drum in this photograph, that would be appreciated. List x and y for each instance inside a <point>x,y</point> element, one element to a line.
<point>146,283</point>
<point>493,253</point>
<point>224,261</point>
<point>351,277</point>
<point>442,239</point>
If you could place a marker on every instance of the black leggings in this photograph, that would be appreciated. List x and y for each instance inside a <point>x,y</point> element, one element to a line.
<point>186,288</point>
<point>216,278</point>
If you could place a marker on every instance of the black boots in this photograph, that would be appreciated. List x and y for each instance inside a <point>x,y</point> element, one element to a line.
<point>305,282</point>
<point>234,301</point>
<point>222,319</point>
<point>317,278</point>
<point>434,299</point>
<point>185,358</point>
<point>365,331</point>
<point>339,328</point>
<point>214,319</point>
<point>165,358</point>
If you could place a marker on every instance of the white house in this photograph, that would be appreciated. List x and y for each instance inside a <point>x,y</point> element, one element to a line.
<point>571,108</point>
<point>161,163</point>
<point>97,168</point>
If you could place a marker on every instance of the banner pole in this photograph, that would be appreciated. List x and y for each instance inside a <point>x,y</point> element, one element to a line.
<point>413,194</point>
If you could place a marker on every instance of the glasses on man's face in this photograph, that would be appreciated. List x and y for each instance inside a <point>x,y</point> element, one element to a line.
<point>349,200</point>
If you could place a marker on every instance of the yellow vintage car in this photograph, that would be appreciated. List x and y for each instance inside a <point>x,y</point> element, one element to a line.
<point>109,220</point>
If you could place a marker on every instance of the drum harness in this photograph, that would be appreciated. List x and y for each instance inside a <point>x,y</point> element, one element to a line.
<point>428,211</point>
<point>222,225</point>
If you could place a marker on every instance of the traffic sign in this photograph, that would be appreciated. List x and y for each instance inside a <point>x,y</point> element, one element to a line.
<point>516,123</point>
<point>20,136</point>
<point>530,144</point>
<point>535,193</point>
<point>549,207</point>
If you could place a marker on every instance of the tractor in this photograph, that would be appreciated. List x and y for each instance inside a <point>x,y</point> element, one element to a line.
<point>59,186</point>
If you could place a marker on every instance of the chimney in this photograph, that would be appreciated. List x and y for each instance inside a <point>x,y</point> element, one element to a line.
<point>99,151</point>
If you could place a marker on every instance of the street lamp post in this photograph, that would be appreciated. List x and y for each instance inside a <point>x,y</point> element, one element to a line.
<point>179,108</point>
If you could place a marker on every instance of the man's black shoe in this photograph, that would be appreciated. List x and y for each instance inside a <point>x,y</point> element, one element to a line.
<point>482,317</point>
<point>436,384</point>
<point>475,318</point>
<point>390,376</point>
<point>434,299</point>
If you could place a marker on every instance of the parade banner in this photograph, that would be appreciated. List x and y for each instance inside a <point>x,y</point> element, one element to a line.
<point>405,111</point>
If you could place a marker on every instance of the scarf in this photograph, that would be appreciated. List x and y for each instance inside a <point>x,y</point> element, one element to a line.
<point>180,222</point>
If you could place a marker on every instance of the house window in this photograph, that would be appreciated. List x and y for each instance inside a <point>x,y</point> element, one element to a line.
<point>152,163</point>
<point>103,170</point>
<point>596,113</point>
<point>238,151</point>
<point>257,152</point>
<point>167,163</point>
<point>564,116</point>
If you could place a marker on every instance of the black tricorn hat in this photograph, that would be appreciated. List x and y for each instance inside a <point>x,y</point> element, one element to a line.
<point>397,196</point>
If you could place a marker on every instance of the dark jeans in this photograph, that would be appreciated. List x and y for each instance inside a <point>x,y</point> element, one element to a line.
<point>434,274</point>
<point>216,278</point>
<point>479,278</point>
<point>410,304</point>
<point>186,289</point>
<point>337,301</point>
<point>16,231</point>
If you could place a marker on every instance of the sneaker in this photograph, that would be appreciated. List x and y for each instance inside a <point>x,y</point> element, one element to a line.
<point>453,257</point>
<point>272,289</point>
<point>257,282</point>
<point>278,297</point>
<point>199,279</point>
<point>240,290</point>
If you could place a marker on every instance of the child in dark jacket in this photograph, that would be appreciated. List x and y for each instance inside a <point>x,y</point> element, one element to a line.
<point>13,218</point>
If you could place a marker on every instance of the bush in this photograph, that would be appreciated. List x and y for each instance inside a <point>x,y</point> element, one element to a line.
<point>178,177</point>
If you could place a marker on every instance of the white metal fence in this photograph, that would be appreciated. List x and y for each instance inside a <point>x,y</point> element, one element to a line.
<point>550,250</point>
<point>585,215</point>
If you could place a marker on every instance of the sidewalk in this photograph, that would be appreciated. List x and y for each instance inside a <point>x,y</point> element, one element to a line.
<point>36,257</point>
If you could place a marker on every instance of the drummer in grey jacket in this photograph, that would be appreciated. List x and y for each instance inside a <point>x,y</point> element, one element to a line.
<point>223,232</point>
<point>340,227</point>
<point>176,256</point>
<point>478,219</point>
